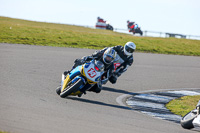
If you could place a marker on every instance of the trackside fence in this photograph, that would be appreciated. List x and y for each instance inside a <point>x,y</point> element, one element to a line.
<point>160,34</point>
<point>153,33</point>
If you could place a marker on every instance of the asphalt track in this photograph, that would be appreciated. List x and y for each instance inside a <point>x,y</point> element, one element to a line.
<point>29,103</point>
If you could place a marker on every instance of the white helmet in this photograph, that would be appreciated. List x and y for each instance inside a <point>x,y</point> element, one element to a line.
<point>129,48</point>
<point>109,56</point>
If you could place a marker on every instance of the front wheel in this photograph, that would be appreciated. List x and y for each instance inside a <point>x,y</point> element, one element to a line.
<point>58,90</point>
<point>186,121</point>
<point>72,88</point>
<point>141,33</point>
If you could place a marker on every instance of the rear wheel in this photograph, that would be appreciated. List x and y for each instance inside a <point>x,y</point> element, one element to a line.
<point>71,88</point>
<point>186,121</point>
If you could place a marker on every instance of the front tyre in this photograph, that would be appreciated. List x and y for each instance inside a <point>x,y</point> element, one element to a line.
<point>72,88</point>
<point>186,121</point>
<point>141,33</point>
<point>58,90</point>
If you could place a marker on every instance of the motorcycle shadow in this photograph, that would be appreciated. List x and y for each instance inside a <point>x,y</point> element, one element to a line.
<point>102,103</point>
<point>98,103</point>
<point>118,91</point>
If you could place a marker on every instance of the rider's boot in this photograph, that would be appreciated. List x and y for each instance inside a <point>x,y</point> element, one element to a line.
<point>79,95</point>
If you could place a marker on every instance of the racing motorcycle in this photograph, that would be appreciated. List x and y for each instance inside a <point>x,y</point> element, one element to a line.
<point>190,119</point>
<point>137,30</point>
<point>81,79</point>
<point>132,28</point>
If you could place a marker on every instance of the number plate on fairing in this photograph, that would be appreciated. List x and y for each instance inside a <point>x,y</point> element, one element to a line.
<point>91,73</point>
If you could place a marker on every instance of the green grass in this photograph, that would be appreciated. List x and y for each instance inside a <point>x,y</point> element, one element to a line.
<point>183,105</point>
<point>3,132</point>
<point>60,35</point>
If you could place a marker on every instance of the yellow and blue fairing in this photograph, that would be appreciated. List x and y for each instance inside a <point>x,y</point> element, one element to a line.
<point>76,71</point>
<point>79,70</point>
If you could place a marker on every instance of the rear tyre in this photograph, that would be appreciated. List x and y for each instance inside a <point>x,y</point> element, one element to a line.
<point>72,88</point>
<point>186,121</point>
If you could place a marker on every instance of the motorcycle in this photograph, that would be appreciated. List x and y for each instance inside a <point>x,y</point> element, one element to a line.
<point>187,121</point>
<point>81,79</point>
<point>132,28</point>
<point>137,30</point>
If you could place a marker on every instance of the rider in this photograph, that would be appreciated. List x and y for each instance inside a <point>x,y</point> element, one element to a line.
<point>100,20</point>
<point>106,56</point>
<point>126,59</point>
<point>129,24</point>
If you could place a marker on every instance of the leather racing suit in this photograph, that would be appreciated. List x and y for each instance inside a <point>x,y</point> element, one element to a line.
<point>122,62</point>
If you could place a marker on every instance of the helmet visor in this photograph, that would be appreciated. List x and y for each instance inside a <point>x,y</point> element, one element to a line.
<point>108,59</point>
<point>129,49</point>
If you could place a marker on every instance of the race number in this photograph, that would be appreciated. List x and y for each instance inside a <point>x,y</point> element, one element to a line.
<point>92,73</point>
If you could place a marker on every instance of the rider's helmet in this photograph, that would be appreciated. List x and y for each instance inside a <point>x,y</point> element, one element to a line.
<point>109,56</point>
<point>129,48</point>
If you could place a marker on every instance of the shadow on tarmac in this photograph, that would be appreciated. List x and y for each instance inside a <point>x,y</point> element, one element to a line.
<point>102,103</point>
<point>118,91</point>
<point>98,103</point>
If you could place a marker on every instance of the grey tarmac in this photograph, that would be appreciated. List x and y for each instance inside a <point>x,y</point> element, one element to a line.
<point>29,76</point>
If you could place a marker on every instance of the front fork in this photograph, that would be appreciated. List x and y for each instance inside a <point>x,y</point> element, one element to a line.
<point>64,82</point>
<point>197,110</point>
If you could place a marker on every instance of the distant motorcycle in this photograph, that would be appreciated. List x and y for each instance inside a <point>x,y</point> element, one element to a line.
<point>81,79</point>
<point>102,24</point>
<point>187,121</point>
<point>134,28</point>
<point>138,30</point>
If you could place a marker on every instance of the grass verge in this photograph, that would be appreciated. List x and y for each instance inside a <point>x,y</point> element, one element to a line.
<point>3,132</point>
<point>61,35</point>
<point>183,105</point>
